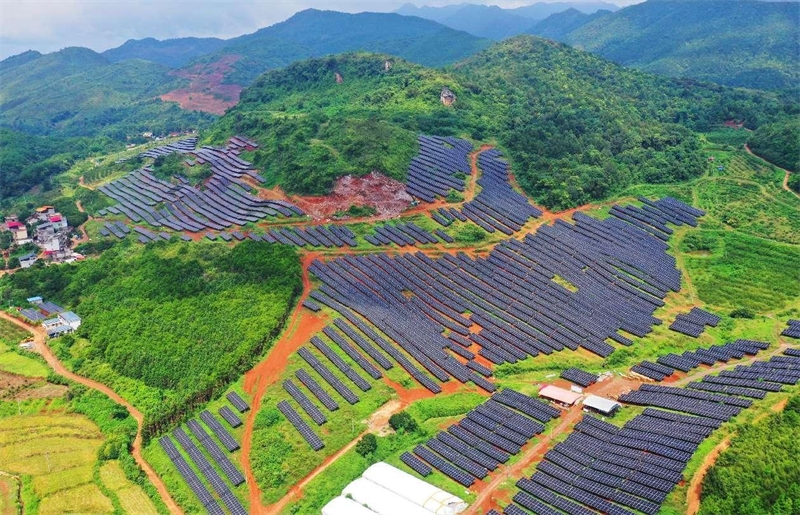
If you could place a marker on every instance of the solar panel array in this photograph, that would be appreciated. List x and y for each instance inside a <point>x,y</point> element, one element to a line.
<point>213,450</point>
<point>436,169</point>
<point>314,236</point>
<point>497,207</point>
<point>406,304</point>
<point>632,469</point>
<point>305,431</point>
<point>666,365</point>
<point>225,201</point>
<point>579,377</point>
<point>402,234</point>
<point>209,473</point>
<point>220,432</point>
<point>486,437</point>
<point>694,322</point>
<point>792,330</point>
<point>229,416</point>
<point>792,352</point>
<point>189,476</point>
<point>237,401</point>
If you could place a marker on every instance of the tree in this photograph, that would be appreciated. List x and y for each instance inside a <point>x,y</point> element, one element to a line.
<point>367,445</point>
<point>403,422</point>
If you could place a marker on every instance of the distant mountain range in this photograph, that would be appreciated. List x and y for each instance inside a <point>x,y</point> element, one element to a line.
<point>493,22</point>
<point>77,91</point>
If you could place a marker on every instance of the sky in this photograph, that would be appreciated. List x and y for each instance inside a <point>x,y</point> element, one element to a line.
<point>49,25</point>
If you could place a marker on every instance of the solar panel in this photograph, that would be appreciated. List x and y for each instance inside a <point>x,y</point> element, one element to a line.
<point>313,440</point>
<point>224,436</point>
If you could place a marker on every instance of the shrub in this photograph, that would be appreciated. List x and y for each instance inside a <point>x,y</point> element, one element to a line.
<point>743,313</point>
<point>403,422</point>
<point>367,445</point>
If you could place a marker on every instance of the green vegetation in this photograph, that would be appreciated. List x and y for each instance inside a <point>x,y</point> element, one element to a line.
<point>72,456</point>
<point>779,143</point>
<point>94,97</point>
<point>470,234</point>
<point>745,272</point>
<point>168,325</point>
<point>745,43</point>
<point>367,445</point>
<point>575,127</point>
<point>758,474</point>
<point>356,212</point>
<point>28,161</point>
<point>167,167</point>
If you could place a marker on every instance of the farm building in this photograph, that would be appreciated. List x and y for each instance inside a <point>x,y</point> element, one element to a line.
<point>415,490</point>
<point>559,395</point>
<point>344,506</point>
<point>601,405</point>
<point>387,490</point>
<point>28,260</point>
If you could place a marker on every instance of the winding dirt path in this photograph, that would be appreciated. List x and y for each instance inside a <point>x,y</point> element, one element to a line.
<point>40,344</point>
<point>300,328</point>
<point>696,485</point>
<point>785,171</point>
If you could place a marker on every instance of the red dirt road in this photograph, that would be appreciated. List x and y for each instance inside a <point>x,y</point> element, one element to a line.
<point>300,328</point>
<point>59,368</point>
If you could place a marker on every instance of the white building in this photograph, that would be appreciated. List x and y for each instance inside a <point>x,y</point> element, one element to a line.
<point>71,319</point>
<point>386,490</point>
<point>380,500</point>
<point>417,491</point>
<point>28,260</point>
<point>344,506</point>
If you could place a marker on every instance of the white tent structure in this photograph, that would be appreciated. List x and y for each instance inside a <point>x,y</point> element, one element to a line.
<point>381,500</point>
<point>432,499</point>
<point>344,506</point>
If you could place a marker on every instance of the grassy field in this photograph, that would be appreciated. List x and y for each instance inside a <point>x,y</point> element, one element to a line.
<point>132,498</point>
<point>55,453</point>
<point>11,358</point>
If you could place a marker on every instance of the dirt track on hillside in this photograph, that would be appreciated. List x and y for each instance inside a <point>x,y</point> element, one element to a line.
<point>40,344</point>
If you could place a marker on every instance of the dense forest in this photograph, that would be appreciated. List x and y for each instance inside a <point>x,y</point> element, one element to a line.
<point>760,473</point>
<point>745,43</point>
<point>77,92</point>
<point>778,143</point>
<point>167,325</point>
<point>576,127</point>
<point>28,161</point>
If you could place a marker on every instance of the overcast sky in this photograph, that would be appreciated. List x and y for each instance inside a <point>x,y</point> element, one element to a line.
<point>101,24</point>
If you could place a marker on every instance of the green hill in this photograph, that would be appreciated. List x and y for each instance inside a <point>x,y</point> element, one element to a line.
<point>19,59</point>
<point>576,127</point>
<point>77,92</point>
<point>557,26</point>
<point>743,43</point>
<point>314,33</point>
<point>173,53</point>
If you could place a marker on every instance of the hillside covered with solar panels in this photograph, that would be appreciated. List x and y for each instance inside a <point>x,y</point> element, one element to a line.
<point>531,283</point>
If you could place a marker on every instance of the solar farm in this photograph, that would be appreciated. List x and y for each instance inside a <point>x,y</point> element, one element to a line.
<point>401,310</point>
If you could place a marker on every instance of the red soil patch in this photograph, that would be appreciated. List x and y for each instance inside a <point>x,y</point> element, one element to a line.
<point>206,92</point>
<point>386,195</point>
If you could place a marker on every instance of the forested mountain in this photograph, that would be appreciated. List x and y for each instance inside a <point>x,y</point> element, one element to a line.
<point>77,92</point>
<point>744,43</point>
<point>493,22</point>
<point>313,33</point>
<point>173,53</point>
<point>576,127</point>
<point>16,60</point>
<point>557,26</point>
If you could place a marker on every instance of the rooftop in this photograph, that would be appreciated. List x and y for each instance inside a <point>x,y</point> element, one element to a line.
<point>600,403</point>
<point>559,394</point>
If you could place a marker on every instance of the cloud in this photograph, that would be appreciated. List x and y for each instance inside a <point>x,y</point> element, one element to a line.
<point>49,25</point>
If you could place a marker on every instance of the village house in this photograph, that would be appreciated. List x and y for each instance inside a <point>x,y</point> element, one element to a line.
<point>28,260</point>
